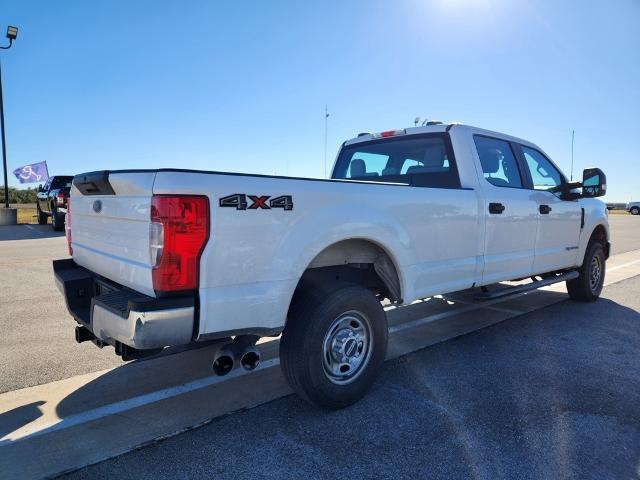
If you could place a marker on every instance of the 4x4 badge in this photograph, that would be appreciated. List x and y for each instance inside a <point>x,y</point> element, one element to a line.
<point>259,202</point>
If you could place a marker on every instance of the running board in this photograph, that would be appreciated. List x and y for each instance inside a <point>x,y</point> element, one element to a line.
<point>505,291</point>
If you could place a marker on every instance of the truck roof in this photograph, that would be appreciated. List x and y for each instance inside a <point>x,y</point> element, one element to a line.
<point>439,127</point>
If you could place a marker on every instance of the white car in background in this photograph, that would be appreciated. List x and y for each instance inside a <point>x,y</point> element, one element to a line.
<point>633,208</point>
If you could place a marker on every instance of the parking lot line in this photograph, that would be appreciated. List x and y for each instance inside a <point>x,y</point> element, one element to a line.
<point>34,229</point>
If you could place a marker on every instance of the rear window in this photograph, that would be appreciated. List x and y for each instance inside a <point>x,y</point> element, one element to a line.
<point>61,182</point>
<point>424,161</point>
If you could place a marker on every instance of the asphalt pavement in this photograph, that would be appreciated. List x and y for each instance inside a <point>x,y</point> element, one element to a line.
<point>37,344</point>
<point>625,232</point>
<point>549,394</point>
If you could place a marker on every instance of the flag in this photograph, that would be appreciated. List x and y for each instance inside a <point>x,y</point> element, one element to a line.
<point>36,172</point>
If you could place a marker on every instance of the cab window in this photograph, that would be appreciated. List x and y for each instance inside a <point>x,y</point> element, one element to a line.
<point>423,161</point>
<point>499,164</point>
<point>543,174</point>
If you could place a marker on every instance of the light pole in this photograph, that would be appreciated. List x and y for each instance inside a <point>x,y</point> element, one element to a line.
<point>12,34</point>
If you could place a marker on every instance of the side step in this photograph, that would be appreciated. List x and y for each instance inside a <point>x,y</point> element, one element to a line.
<point>503,292</point>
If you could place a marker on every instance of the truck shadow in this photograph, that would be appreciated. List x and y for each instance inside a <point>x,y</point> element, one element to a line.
<point>18,417</point>
<point>27,232</point>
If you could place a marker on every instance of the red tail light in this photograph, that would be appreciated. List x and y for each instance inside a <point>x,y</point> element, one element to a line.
<point>178,233</point>
<point>61,198</point>
<point>67,226</point>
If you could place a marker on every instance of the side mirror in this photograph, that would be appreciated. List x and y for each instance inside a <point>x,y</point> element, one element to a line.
<point>594,183</point>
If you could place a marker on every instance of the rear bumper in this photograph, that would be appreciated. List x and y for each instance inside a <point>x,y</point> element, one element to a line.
<point>119,316</point>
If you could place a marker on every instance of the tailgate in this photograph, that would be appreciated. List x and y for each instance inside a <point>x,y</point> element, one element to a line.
<point>110,218</point>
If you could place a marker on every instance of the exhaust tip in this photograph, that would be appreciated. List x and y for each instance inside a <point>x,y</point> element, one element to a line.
<point>250,359</point>
<point>223,364</point>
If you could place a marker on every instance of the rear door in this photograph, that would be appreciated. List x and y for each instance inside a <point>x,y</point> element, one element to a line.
<point>511,218</point>
<point>559,220</point>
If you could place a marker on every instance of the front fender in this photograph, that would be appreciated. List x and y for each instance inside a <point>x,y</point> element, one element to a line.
<point>595,214</point>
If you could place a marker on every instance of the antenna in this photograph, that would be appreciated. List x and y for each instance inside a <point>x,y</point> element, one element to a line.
<point>326,119</point>
<point>572,138</point>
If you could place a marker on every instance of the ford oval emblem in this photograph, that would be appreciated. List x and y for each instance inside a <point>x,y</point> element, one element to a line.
<point>97,206</point>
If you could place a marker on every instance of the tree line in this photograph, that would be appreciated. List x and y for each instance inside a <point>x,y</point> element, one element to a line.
<point>27,195</point>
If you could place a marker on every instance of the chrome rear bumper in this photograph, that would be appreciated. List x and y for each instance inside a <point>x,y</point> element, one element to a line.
<point>118,316</point>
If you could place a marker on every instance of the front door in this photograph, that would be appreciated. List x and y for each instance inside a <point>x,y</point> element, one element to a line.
<point>511,216</point>
<point>559,220</point>
<point>42,196</point>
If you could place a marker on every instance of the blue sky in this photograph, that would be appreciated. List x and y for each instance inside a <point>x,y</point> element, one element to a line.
<point>242,86</point>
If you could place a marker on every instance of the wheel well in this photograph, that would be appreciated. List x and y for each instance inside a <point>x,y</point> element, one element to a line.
<point>356,261</point>
<point>599,234</point>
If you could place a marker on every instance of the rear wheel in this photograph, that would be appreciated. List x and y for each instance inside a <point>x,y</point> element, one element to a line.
<point>57,220</point>
<point>333,345</point>
<point>42,217</point>
<point>635,210</point>
<point>588,286</point>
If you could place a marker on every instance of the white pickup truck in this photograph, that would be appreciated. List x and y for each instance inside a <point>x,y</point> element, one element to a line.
<point>174,257</point>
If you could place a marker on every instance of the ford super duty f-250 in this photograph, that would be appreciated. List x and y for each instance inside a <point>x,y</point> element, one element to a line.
<point>174,257</point>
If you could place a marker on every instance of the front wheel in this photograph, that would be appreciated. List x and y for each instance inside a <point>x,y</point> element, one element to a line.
<point>42,217</point>
<point>588,286</point>
<point>635,210</point>
<point>333,345</point>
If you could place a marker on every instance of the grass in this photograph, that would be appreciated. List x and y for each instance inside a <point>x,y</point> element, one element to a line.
<point>27,215</point>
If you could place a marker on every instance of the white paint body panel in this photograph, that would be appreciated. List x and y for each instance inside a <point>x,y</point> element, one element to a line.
<point>254,258</point>
<point>440,240</point>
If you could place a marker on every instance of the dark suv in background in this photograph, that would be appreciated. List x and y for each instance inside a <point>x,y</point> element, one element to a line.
<point>53,199</point>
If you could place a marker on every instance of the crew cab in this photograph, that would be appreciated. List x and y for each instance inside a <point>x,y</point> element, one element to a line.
<point>174,257</point>
<point>51,200</point>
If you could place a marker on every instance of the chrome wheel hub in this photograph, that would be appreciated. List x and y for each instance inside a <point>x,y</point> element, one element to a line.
<point>595,272</point>
<point>347,347</point>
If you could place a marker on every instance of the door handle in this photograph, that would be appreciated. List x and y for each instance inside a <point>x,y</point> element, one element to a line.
<point>496,208</point>
<point>545,209</point>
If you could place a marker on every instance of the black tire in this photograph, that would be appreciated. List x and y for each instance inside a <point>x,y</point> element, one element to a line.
<point>587,288</point>
<point>635,210</point>
<point>57,220</point>
<point>42,217</point>
<point>311,329</point>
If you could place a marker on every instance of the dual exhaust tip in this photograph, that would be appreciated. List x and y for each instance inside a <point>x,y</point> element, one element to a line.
<point>242,349</point>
